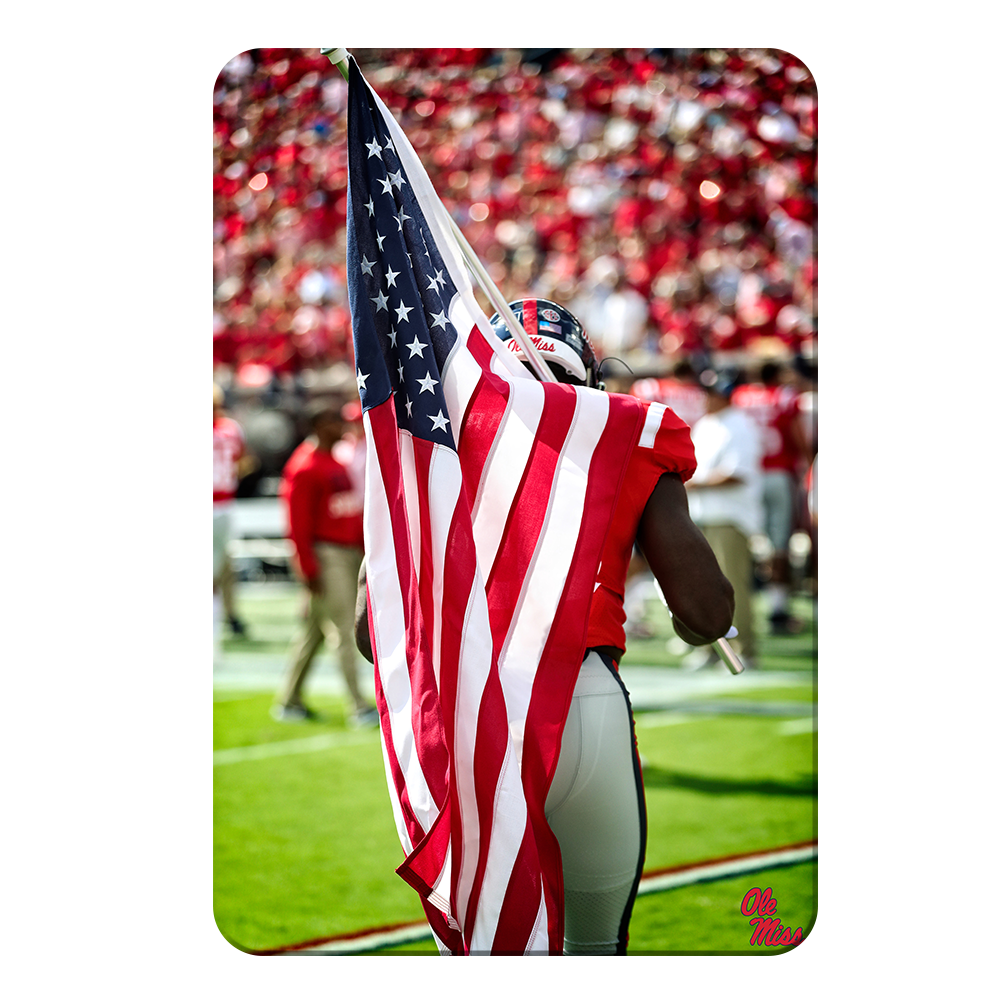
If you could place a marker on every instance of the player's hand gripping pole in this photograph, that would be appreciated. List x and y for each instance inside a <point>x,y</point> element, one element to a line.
<point>339,59</point>
<point>728,655</point>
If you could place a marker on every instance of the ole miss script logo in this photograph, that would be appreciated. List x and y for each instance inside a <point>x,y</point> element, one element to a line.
<point>767,928</point>
<point>540,342</point>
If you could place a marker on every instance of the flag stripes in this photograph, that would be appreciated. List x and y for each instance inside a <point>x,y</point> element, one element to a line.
<point>484,524</point>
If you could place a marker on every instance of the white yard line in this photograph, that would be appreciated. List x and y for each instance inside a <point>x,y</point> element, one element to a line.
<point>795,727</point>
<point>327,741</point>
<point>311,744</point>
<point>652,720</point>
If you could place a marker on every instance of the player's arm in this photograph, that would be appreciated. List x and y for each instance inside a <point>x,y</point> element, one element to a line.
<point>362,637</point>
<point>699,596</point>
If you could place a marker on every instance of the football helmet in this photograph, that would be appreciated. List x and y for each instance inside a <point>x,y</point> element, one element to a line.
<point>559,336</point>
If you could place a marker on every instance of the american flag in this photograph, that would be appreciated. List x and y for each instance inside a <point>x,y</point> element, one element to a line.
<point>484,527</point>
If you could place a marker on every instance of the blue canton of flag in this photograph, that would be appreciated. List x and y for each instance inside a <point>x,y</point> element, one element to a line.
<point>398,284</point>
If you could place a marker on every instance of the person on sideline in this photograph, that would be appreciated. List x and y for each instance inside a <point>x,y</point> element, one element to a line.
<point>325,528</point>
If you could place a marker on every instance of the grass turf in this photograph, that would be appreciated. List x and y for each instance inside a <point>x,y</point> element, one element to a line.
<point>305,847</point>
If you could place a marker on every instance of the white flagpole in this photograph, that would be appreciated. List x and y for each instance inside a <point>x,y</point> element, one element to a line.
<point>729,657</point>
<point>339,59</point>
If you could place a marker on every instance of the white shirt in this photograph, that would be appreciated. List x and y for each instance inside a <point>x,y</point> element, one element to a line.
<point>727,443</point>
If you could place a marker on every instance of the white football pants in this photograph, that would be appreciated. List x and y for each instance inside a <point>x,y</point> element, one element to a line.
<point>597,811</point>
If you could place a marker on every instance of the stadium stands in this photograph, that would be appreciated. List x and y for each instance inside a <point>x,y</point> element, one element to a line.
<point>668,196</point>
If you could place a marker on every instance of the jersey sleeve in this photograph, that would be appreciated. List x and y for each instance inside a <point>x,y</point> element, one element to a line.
<point>665,441</point>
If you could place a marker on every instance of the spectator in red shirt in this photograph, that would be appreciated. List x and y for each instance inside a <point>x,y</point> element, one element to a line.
<point>325,527</point>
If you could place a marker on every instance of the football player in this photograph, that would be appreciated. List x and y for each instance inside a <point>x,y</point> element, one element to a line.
<point>595,804</point>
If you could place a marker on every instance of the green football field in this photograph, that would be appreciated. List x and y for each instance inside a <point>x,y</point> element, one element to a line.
<point>305,846</point>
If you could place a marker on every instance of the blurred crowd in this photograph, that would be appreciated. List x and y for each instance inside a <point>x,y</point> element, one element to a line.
<point>666,196</point>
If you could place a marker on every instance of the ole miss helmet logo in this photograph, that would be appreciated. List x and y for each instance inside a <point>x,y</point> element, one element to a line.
<point>558,335</point>
<point>540,342</point>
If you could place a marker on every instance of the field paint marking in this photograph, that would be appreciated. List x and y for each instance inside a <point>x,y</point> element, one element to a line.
<point>311,744</point>
<point>650,720</point>
<point>657,881</point>
<point>670,717</point>
<point>327,741</point>
<point>794,727</point>
<point>673,878</point>
<point>354,944</point>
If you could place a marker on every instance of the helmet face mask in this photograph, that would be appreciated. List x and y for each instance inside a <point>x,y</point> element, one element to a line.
<point>559,337</point>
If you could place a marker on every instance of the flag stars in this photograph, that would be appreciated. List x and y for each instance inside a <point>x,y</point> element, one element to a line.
<point>440,319</point>
<point>397,180</point>
<point>427,383</point>
<point>390,277</point>
<point>401,218</point>
<point>362,379</point>
<point>386,185</point>
<point>380,239</point>
<point>367,265</point>
<point>439,422</point>
<point>370,205</point>
<point>417,348</point>
<point>374,149</point>
<point>402,314</point>
<point>381,302</point>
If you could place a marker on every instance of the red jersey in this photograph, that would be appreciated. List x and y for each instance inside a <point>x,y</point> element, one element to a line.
<point>664,446</point>
<point>321,502</point>
<point>228,445</point>
<point>773,409</point>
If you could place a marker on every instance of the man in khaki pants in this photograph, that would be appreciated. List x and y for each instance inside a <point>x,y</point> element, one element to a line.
<point>725,497</point>
<point>325,527</point>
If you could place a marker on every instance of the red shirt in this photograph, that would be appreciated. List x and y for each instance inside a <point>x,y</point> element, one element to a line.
<point>664,446</point>
<point>228,445</point>
<point>773,409</point>
<point>321,503</point>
